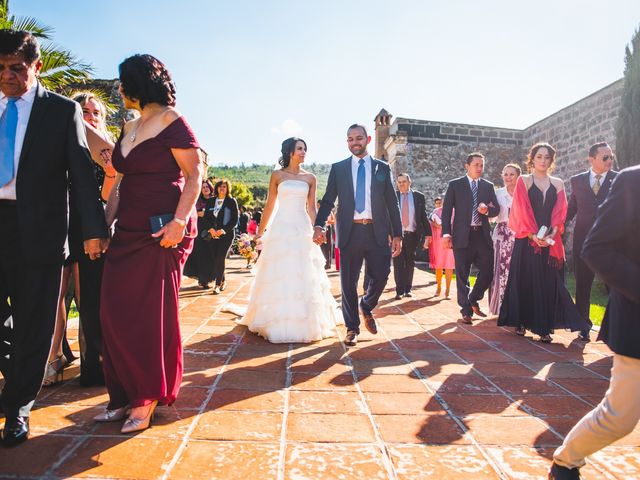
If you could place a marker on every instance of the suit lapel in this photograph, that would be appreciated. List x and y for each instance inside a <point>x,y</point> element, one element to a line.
<point>349,177</point>
<point>374,169</point>
<point>38,110</point>
<point>604,187</point>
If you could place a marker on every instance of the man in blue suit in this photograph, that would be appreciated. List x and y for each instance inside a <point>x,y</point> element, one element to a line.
<point>367,211</point>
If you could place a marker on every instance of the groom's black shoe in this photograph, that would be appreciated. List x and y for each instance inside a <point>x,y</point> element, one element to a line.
<point>351,339</point>
<point>16,431</point>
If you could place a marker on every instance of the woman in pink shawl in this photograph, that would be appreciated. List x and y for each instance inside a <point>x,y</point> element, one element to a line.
<point>536,297</point>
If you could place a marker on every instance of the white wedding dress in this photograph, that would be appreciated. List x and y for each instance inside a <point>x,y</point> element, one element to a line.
<point>290,299</point>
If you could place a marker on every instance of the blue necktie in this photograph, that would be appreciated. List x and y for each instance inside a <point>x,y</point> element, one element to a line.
<point>476,215</point>
<point>360,187</point>
<point>8,127</point>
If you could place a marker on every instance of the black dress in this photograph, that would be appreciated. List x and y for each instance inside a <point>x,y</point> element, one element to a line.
<point>200,263</point>
<point>536,296</point>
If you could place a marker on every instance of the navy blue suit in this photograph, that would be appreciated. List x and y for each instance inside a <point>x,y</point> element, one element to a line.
<point>470,245</point>
<point>358,242</point>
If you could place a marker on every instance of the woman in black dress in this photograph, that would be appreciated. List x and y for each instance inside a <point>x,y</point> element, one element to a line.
<point>536,297</point>
<point>200,263</point>
<point>220,218</point>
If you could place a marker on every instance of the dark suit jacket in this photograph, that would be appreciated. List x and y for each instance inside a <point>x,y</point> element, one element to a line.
<point>583,204</point>
<point>384,203</point>
<point>227,218</point>
<point>54,159</point>
<point>460,199</point>
<point>612,250</point>
<point>423,227</point>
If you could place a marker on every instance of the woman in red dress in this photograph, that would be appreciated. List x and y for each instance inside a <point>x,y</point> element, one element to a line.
<point>159,173</point>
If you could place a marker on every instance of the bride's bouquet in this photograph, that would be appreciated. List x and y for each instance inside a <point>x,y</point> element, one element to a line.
<point>247,247</point>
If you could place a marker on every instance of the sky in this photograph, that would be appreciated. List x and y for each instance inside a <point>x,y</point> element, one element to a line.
<point>251,73</point>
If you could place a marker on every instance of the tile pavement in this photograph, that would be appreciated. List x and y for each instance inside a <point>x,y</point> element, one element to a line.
<point>427,397</point>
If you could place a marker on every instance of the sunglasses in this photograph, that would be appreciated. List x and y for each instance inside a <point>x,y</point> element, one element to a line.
<point>606,158</point>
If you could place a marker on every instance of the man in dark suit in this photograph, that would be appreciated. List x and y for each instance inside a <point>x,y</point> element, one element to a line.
<point>43,150</point>
<point>415,224</point>
<point>367,212</point>
<point>474,200</point>
<point>588,191</point>
<point>612,250</point>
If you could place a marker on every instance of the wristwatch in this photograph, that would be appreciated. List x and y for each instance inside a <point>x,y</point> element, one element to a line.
<point>180,221</point>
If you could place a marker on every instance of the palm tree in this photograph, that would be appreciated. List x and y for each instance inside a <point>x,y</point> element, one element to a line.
<point>60,67</point>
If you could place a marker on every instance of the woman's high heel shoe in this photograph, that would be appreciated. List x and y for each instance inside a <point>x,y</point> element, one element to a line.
<point>136,424</point>
<point>54,374</point>
<point>112,415</point>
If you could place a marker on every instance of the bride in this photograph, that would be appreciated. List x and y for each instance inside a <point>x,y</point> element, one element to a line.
<point>290,299</point>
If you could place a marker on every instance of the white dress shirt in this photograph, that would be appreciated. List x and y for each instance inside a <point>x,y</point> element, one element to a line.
<point>412,211</point>
<point>23,105</point>
<point>366,213</point>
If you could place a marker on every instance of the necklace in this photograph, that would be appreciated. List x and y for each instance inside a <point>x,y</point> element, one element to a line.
<point>135,132</point>
<point>141,122</point>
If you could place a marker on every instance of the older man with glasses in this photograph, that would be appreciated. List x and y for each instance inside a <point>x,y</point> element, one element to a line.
<point>588,191</point>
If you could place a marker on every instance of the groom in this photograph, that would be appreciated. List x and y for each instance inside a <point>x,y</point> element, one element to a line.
<point>367,211</point>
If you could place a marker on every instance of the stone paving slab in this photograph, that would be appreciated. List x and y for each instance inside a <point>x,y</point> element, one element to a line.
<point>428,397</point>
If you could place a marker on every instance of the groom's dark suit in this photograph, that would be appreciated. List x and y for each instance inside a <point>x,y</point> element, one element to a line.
<point>583,205</point>
<point>54,158</point>
<point>360,242</point>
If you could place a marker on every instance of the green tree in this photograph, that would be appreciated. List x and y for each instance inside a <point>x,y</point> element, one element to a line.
<point>628,126</point>
<point>241,193</point>
<point>60,67</point>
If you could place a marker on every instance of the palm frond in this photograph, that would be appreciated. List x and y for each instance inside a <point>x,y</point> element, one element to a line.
<point>60,68</point>
<point>31,25</point>
<point>110,107</point>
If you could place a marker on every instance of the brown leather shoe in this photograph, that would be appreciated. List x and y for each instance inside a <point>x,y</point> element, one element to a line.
<point>477,311</point>
<point>466,319</point>
<point>369,321</point>
<point>351,339</point>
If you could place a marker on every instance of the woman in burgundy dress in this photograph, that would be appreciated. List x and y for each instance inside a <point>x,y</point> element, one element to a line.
<point>159,173</point>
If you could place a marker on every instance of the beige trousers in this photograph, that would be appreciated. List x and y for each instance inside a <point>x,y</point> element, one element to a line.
<point>615,417</point>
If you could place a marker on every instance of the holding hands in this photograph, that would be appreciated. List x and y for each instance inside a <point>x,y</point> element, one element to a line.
<point>319,236</point>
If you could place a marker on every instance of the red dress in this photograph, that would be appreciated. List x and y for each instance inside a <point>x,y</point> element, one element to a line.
<point>142,349</point>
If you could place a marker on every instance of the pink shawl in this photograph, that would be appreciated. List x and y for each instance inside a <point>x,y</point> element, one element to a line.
<point>523,222</point>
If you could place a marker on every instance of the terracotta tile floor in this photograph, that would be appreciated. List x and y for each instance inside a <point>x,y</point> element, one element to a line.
<point>426,398</point>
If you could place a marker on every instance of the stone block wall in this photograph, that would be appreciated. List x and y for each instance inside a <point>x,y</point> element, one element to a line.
<point>434,152</point>
<point>575,128</point>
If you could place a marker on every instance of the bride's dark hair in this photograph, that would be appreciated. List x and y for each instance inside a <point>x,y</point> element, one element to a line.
<point>288,147</point>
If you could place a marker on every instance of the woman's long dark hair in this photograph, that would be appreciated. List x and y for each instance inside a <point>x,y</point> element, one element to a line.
<point>288,147</point>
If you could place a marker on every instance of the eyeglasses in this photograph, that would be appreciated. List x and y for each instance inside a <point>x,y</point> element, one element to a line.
<point>606,158</point>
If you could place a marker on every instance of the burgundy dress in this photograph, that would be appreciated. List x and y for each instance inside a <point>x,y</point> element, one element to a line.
<point>142,348</point>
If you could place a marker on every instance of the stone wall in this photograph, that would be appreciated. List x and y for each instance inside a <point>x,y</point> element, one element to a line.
<point>575,128</point>
<point>434,152</point>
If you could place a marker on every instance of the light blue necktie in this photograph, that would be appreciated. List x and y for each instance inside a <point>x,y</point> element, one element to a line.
<point>360,187</point>
<point>8,127</point>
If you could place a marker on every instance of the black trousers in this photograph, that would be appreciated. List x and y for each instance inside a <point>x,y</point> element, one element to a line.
<point>479,253</point>
<point>32,290</point>
<point>90,286</point>
<point>219,249</point>
<point>584,281</point>
<point>404,264</point>
<point>362,247</point>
